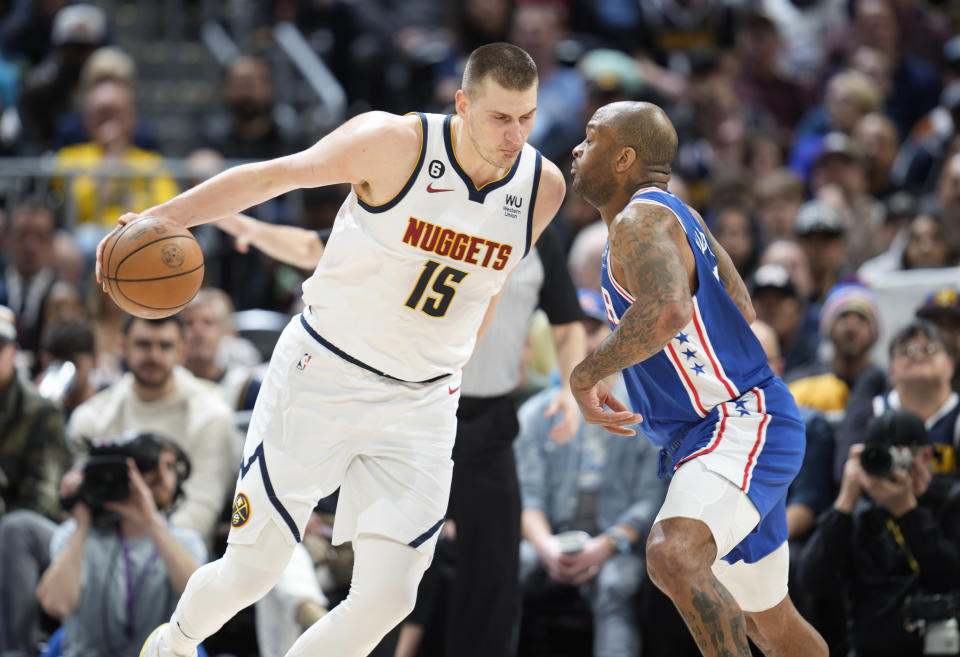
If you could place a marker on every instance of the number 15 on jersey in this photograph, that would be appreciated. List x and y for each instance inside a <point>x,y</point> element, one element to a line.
<point>443,282</point>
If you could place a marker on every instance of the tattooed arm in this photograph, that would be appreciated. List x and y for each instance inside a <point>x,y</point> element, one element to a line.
<point>729,275</point>
<point>650,256</point>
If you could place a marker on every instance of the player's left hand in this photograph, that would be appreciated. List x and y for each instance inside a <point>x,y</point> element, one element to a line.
<point>592,401</point>
<point>565,404</point>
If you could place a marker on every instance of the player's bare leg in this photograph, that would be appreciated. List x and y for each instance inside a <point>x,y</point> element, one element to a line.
<point>783,632</point>
<point>680,552</point>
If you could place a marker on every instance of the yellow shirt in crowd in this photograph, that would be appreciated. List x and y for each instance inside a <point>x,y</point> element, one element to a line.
<point>100,197</point>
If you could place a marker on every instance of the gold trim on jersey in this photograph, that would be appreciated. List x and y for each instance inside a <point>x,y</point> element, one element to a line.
<point>416,167</point>
<point>453,149</point>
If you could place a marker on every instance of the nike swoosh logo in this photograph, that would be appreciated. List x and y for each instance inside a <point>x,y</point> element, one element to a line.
<point>433,190</point>
<point>453,390</point>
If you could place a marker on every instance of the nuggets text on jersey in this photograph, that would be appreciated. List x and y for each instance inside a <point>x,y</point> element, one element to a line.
<point>459,246</point>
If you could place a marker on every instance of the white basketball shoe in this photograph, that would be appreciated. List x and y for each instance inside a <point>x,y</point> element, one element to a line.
<point>156,644</point>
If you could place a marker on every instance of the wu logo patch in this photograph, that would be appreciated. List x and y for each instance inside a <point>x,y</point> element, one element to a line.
<point>241,511</point>
<point>304,361</point>
<point>511,209</point>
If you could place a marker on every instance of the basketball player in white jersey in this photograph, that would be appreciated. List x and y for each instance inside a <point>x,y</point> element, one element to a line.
<point>362,388</point>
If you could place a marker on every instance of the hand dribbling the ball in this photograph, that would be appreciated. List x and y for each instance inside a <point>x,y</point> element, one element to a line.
<point>121,222</point>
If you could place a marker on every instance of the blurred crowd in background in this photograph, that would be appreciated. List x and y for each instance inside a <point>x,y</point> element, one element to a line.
<point>818,138</point>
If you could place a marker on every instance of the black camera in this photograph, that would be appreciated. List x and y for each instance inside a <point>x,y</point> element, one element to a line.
<point>105,477</point>
<point>888,442</point>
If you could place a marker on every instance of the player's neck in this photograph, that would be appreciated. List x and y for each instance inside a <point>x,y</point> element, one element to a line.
<point>619,200</point>
<point>471,161</point>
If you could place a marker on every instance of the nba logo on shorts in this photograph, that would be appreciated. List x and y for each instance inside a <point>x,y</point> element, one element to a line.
<point>303,362</point>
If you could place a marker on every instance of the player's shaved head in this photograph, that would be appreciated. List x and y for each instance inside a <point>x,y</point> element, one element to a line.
<point>645,128</point>
<point>509,66</point>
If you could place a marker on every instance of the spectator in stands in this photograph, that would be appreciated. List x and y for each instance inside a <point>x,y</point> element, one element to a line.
<point>110,175</point>
<point>778,304</point>
<point>585,257</point>
<point>849,323</point>
<point>920,371</point>
<point>948,192</point>
<point>249,129</point>
<point>160,396</point>
<point>107,320</point>
<point>737,232</point>
<point>849,96</point>
<point>596,483</point>
<point>876,140</point>
<point>916,85</point>
<point>789,254</point>
<point>49,87</point>
<point>929,244</point>
<point>839,179</point>
<point>25,29</point>
<point>779,195</point>
<point>33,452</point>
<point>802,26</point>
<point>942,307</point>
<point>821,233</point>
<point>482,21</point>
<point>29,275</point>
<point>761,82</point>
<point>33,458</point>
<point>67,341</point>
<point>206,325</point>
<point>924,152</point>
<point>924,30</point>
<point>886,537</point>
<point>107,63</point>
<point>118,569</point>
<point>538,27</point>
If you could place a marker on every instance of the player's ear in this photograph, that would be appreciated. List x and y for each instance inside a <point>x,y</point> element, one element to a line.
<point>462,101</point>
<point>625,159</point>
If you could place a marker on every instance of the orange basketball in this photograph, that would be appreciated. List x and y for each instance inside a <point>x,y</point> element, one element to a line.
<point>152,267</point>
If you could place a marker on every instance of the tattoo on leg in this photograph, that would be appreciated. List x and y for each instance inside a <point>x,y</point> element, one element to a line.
<point>706,625</point>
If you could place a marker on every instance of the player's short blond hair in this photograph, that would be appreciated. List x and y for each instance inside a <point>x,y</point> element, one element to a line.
<point>509,66</point>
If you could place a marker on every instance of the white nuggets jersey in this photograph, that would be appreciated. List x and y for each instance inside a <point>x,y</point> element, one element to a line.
<point>403,287</point>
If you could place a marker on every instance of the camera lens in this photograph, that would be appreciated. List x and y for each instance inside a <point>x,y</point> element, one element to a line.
<point>876,461</point>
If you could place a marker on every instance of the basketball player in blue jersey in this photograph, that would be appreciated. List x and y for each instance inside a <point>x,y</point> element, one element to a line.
<point>729,432</point>
<point>362,388</point>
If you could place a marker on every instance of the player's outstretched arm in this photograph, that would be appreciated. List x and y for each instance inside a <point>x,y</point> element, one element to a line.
<point>645,253</point>
<point>363,152</point>
<point>288,244</point>
<point>374,152</point>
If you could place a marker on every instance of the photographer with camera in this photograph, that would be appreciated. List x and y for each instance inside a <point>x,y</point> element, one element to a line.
<point>893,534</point>
<point>920,371</point>
<point>118,567</point>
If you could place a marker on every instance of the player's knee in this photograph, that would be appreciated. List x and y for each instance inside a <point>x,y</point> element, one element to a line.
<point>676,554</point>
<point>247,574</point>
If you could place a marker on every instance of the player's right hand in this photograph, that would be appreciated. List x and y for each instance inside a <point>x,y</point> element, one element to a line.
<point>592,402</point>
<point>121,222</point>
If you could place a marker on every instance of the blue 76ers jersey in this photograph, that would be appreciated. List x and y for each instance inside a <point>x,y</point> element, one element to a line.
<point>714,359</point>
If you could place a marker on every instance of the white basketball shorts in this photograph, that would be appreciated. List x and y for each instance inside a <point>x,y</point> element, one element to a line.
<point>699,493</point>
<point>321,422</point>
